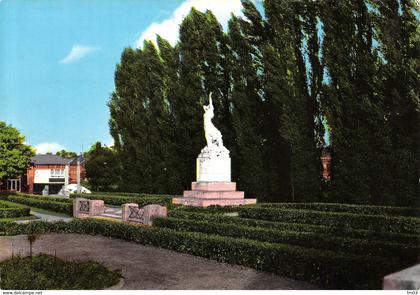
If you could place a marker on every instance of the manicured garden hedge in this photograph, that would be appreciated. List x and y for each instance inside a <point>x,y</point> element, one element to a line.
<point>45,272</point>
<point>126,194</point>
<point>12,210</point>
<point>119,200</point>
<point>326,268</point>
<point>358,209</point>
<point>403,252</point>
<point>40,197</point>
<point>62,207</point>
<point>408,239</point>
<point>402,224</point>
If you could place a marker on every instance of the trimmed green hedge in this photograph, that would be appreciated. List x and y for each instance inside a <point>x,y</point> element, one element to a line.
<point>409,225</point>
<point>44,272</point>
<point>326,268</point>
<point>349,208</point>
<point>119,200</point>
<point>61,207</point>
<point>403,252</point>
<point>408,239</point>
<point>126,194</point>
<point>12,210</point>
<point>40,197</point>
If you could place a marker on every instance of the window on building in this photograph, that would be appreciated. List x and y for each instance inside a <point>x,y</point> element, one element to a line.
<point>57,173</point>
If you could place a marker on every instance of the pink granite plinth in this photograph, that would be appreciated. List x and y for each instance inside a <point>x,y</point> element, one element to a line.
<point>83,208</point>
<point>132,213</point>
<point>204,194</point>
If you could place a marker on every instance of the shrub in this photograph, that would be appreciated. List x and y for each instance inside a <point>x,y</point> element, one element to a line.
<point>403,252</point>
<point>127,194</point>
<point>358,209</point>
<point>62,207</point>
<point>409,225</point>
<point>45,272</point>
<point>326,268</point>
<point>12,210</point>
<point>119,200</point>
<point>45,198</point>
<point>284,226</point>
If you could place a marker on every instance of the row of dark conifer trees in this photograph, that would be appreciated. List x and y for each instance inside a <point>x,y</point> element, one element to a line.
<point>284,78</point>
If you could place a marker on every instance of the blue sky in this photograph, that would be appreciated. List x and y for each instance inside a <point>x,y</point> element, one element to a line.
<point>57,61</point>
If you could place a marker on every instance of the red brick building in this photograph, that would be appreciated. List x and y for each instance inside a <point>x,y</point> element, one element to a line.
<point>326,158</point>
<point>45,170</point>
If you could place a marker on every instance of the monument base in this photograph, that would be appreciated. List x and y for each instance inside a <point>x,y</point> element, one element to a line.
<point>204,194</point>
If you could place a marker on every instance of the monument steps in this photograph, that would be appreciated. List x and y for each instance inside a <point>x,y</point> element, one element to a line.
<point>214,194</point>
<point>200,202</point>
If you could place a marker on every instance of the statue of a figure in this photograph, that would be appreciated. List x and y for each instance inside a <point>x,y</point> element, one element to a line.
<point>213,135</point>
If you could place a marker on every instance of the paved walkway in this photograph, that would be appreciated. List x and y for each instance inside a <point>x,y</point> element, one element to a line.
<point>44,216</point>
<point>145,267</point>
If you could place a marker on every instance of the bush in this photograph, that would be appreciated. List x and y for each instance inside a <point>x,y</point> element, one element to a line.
<point>62,207</point>
<point>326,268</point>
<point>12,210</point>
<point>284,226</point>
<point>409,225</point>
<point>358,209</point>
<point>45,272</point>
<point>404,252</point>
<point>119,200</point>
<point>45,198</point>
<point>127,194</point>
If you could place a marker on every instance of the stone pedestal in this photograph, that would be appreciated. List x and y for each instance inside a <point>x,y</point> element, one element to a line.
<point>204,194</point>
<point>83,208</point>
<point>406,279</point>
<point>132,213</point>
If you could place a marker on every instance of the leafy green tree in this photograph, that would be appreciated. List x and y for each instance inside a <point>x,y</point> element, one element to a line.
<point>201,71</point>
<point>66,154</point>
<point>14,153</point>
<point>102,168</point>
<point>396,29</point>
<point>246,110</point>
<point>354,105</point>
<point>288,101</point>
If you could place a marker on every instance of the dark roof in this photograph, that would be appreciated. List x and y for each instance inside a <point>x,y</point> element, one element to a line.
<point>50,160</point>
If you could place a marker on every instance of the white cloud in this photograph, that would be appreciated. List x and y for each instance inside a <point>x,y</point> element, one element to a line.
<point>48,147</point>
<point>77,52</point>
<point>169,28</point>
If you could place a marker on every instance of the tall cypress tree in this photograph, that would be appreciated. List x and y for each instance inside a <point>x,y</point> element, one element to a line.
<point>201,72</point>
<point>246,112</point>
<point>287,94</point>
<point>396,29</point>
<point>127,126</point>
<point>355,113</point>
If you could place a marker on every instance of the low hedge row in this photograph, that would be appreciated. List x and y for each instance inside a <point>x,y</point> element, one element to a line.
<point>119,200</point>
<point>61,207</point>
<point>408,239</point>
<point>401,224</point>
<point>46,198</point>
<point>325,268</point>
<point>127,194</point>
<point>349,208</point>
<point>12,210</point>
<point>403,252</point>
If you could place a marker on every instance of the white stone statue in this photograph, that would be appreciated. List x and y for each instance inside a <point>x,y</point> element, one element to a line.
<point>213,163</point>
<point>213,136</point>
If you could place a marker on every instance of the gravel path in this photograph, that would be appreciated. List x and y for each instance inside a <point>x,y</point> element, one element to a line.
<point>145,267</point>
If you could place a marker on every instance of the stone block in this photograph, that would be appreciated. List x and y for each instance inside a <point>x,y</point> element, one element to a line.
<point>83,208</point>
<point>133,213</point>
<point>215,194</point>
<point>213,186</point>
<point>406,279</point>
<point>213,169</point>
